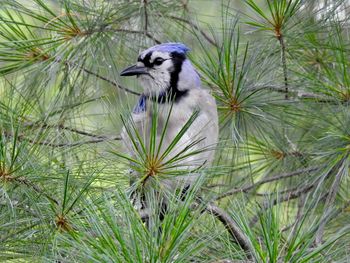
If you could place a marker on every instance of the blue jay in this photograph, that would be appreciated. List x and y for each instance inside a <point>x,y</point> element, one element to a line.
<point>170,81</point>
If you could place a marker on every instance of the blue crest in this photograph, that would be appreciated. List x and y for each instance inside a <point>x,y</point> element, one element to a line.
<point>169,48</point>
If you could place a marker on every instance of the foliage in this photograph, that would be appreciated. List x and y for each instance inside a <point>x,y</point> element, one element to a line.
<point>278,189</point>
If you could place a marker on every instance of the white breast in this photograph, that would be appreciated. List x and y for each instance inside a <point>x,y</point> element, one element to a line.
<point>204,127</point>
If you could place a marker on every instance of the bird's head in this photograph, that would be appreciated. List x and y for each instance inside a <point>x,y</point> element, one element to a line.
<point>164,69</point>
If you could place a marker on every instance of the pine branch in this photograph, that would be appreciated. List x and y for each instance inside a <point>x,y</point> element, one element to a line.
<point>299,192</point>
<point>300,95</point>
<point>68,145</point>
<point>62,127</point>
<point>115,84</point>
<point>97,138</point>
<point>194,26</point>
<point>24,181</point>
<point>146,16</point>
<point>232,227</point>
<point>287,197</point>
<point>284,65</point>
<point>267,180</point>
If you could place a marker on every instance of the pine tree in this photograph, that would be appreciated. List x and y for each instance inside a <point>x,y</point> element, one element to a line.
<point>278,190</point>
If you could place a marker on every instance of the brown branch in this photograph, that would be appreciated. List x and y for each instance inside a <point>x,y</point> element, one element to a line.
<point>146,16</point>
<point>62,127</point>
<point>81,132</point>
<point>36,188</point>
<point>267,180</point>
<point>301,95</point>
<point>275,88</point>
<point>284,64</point>
<point>295,194</point>
<point>109,81</point>
<point>298,193</point>
<point>300,215</point>
<point>106,29</point>
<point>286,191</point>
<point>74,144</point>
<point>231,227</point>
<point>290,196</point>
<point>185,5</point>
<point>58,60</point>
<point>153,38</point>
<point>97,138</point>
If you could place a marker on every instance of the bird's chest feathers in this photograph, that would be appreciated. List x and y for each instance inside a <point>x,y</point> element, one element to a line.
<point>170,119</point>
<point>178,115</point>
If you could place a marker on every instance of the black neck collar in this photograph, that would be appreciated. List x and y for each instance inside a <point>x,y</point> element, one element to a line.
<point>170,95</point>
<point>164,97</point>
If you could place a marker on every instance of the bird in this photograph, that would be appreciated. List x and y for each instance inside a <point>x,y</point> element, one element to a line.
<point>172,87</point>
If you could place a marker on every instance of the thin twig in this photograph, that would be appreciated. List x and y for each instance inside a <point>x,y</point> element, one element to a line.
<point>110,81</point>
<point>282,192</point>
<point>301,95</point>
<point>290,196</point>
<point>74,144</point>
<point>284,64</point>
<point>80,132</point>
<point>62,127</point>
<point>194,26</point>
<point>58,60</point>
<point>231,227</point>
<point>185,5</point>
<point>153,38</point>
<point>300,215</point>
<point>146,16</point>
<point>36,188</point>
<point>97,138</point>
<point>293,195</point>
<point>267,180</point>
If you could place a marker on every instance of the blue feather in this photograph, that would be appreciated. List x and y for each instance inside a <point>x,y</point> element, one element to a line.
<point>141,105</point>
<point>168,48</point>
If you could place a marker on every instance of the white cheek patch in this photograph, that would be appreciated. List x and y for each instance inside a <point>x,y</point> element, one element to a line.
<point>158,79</point>
<point>157,54</point>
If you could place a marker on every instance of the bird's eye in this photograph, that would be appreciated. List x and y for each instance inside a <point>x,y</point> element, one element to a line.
<point>158,61</point>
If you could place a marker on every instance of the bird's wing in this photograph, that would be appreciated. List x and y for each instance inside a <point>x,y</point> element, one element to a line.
<point>204,129</point>
<point>206,125</point>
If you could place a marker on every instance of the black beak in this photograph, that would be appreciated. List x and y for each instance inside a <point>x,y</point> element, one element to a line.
<point>134,70</point>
